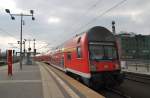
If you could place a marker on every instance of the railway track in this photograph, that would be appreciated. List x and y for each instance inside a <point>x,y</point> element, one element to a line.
<point>117,92</point>
<point>138,77</point>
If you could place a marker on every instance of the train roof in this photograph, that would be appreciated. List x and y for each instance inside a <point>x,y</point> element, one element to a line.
<point>99,33</point>
<point>96,33</point>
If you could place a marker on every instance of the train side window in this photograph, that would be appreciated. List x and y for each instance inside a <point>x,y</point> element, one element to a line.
<point>69,56</point>
<point>79,53</point>
<point>79,39</point>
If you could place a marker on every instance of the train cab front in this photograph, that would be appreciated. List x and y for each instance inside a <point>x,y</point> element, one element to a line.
<point>104,64</point>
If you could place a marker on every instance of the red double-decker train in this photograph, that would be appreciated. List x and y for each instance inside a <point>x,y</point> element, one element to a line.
<point>92,57</point>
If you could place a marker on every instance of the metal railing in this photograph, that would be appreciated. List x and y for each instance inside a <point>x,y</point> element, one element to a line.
<point>136,65</point>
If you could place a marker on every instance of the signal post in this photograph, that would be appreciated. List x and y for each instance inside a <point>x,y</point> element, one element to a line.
<point>9,62</point>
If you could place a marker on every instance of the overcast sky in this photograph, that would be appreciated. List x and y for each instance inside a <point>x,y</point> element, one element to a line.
<point>58,20</point>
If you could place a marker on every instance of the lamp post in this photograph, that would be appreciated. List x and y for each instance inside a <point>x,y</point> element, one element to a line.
<point>29,49</point>
<point>24,43</point>
<point>34,52</point>
<point>113,27</point>
<point>13,18</point>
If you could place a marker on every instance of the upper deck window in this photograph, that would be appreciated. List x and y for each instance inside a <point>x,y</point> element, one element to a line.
<point>79,52</point>
<point>79,39</point>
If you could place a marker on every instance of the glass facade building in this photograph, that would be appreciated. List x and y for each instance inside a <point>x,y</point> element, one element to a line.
<point>134,46</point>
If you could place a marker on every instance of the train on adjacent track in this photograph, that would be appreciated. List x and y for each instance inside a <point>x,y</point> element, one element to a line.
<point>91,57</point>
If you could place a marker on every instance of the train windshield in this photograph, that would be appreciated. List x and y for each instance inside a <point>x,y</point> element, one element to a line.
<point>102,52</point>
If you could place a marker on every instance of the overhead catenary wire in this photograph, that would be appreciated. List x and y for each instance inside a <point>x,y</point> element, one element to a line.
<point>10,35</point>
<point>2,30</point>
<point>85,14</point>
<point>43,46</point>
<point>13,46</point>
<point>99,16</point>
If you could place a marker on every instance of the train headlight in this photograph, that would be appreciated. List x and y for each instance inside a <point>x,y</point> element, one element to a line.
<point>106,66</point>
<point>117,66</point>
<point>92,67</point>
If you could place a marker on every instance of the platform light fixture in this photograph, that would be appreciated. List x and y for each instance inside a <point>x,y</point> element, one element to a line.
<point>22,23</point>
<point>7,10</point>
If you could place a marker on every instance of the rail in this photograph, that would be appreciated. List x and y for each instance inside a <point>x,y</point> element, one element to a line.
<point>118,92</point>
<point>138,77</point>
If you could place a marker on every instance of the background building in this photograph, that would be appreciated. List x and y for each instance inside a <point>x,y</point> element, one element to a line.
<point>134,46</point>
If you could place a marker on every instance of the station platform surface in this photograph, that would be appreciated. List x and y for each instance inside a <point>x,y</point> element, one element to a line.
<point>38,81</point>
<point>25,83</point>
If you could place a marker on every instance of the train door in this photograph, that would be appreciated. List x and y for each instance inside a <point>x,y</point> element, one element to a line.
<point>68,61</point>
<point>62,61</point>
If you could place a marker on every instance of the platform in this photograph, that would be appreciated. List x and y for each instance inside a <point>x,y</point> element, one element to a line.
<point>41,81</point>
<point>25,83</point>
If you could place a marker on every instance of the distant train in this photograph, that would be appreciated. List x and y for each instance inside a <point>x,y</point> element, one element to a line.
<point>91,57</point>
